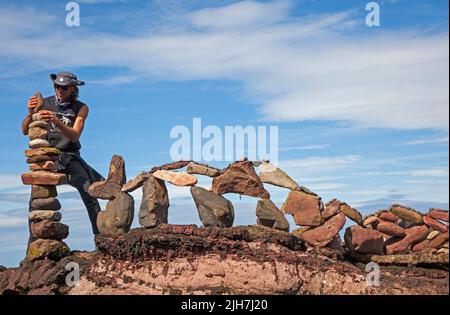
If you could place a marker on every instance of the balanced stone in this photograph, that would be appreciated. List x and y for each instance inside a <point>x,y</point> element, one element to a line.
<point>438,214</point>
<point>364,241</point>
<point>435,224</point>
<point>44,178</point>
<point>269,215</point>
<point>414,235</point>
<point>43,191</point>
<point>154,204</point>
<point>37,133</point>
<point>433,235</point>
<point>388,216</point>
<point>176,178</point>
<point>38,143</point>
<point>272,174</point>
<point>39,123</point>
<point>49,229</point>
<point>240,178</point>
<point>407,214</point>
<point>201,169</point>
<point>118,216</point>
<point>111,187</point>
<point>136,182</point>
<point>45,204</point>
<point>43,166</point>
<point>47,248</point>
<point>371,220</point>
<point>331,208</point>
<point>351,213</point>
<point>41,215</point>
<point>42,151</point>
<point>324,234</point>
<point>42,158</point>
<point>303,207</point>
<point>301,230</point>
<point>213,209</point>
<point>390,228</point>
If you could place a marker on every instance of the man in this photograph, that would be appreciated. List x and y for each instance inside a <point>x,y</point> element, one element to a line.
<point>67,116</point>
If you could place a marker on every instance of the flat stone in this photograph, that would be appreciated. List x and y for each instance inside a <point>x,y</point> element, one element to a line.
<point>371,220</point>
<point>240,178</point>
<point>43,191</point>
<point>390,228</point>
<point>299,232</point>
<point>304,208</point>
<point>118,216</point>
<point>435,224</point>
<point>213,209</point>
<point>37,133</point>
<point>364,241</point>
<point>201,169</point>
<point>414,235</point>
<point>433,234</point>
<point>171,166</point>
<point>38,143</point>
<point>155,203</point>
<point>43,166</point>
<point>41,215</point>
<point>41,158</point>
<point>176,178</point>
<point>425,257</point>
<point>43,248</point>
<point>351,213</point>
<point>45,204</point>
<point>269,215</point>
<point>44,178</point>
<point>271,174</point>
<point>439,240</point>
<point>324,234</point>
<point>407,214</point>
<point>42,151</point>
<point>438,214</point>
<point>39,123</point>
<point>49,230</point>
<point>331,208</point>
<point>136,182</point>
<point>111,187</point>
<point>388,216</point>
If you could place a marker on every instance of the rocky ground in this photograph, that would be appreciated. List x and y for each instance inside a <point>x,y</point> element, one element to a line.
<point>174,259</point>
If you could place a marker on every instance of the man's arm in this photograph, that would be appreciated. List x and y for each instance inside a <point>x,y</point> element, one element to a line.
<point>73,133</point>
<point>25,123</point>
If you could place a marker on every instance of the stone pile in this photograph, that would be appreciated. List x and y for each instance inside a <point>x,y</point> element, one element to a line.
<point>46,230</point>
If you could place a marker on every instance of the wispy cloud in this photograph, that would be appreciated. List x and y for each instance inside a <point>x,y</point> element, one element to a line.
<point>305,147</point>
<point>435,172</point>
<point>425,141</point>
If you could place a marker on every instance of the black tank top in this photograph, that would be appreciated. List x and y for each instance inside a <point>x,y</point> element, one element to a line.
<point>67,117</point>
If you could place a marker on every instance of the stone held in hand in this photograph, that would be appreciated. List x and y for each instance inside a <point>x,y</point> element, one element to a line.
<point>351,213</point>
<point>240,178</point>
<point>43,166</point>
<point>43,191</point>
<point>37,133</point>
<point>176,178</point>
<point>41,215</point>
<point>435,224</point>
<point>47,248</point>
<point>49,230</point>
<point>118,216</point>
<point>213,209</point>
<point>438,214</point>
<point>38,143</point>
<point>304,208</point>
<point>42,151</point>
<point>364,241</point>
<point>111,187</point>
<point>155,203</point>
<point>407,214</point>
<point>202,169</point>
<point>271,174</point>
<point>44,178</point>
<point>50,203</point>
<point>324,234</point>
<point>269,215</point>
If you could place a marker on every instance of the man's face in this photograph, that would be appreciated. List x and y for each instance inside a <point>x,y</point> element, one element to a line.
<point>64,92</point>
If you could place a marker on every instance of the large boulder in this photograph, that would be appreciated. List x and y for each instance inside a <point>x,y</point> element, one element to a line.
<point>305,208</point>
<point>324,234</point>
<point>154,204</point>
<point>269,215</point>
<point>213,209</point>
<point>240,178</point>
<point>364,241</point>
<point>118,216</point>
<point>272,174</point>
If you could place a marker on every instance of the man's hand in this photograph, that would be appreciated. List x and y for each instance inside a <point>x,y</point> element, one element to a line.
<point>49,116</point>
<point>32,103</point>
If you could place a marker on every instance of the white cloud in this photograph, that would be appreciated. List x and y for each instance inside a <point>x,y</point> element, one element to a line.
<point>425,141</point>
<point>312,68</point>
<point>434,172</point>
<point>305,147</point>
<point>320,163</point>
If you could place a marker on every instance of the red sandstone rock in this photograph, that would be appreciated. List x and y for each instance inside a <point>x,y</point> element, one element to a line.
<point>331,208</point>
<point>388,216</point>
<point>364,241</point>
<point>414,235</point>
<point>322,235</point>
<point>390,228</point>
<point>44,178</point>
<point>304,207</point>
<point>428,220</point>
<point>438,214</point>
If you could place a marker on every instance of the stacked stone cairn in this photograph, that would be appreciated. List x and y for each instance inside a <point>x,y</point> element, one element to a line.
<point>47,232</point>
<point>398,230</point>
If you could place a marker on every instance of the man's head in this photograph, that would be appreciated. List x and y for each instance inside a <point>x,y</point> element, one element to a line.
<point>66,85</point>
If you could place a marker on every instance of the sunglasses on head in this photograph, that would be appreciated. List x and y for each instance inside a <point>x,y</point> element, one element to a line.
<point>62,87</point>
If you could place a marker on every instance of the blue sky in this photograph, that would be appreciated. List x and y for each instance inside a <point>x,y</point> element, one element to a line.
<point>362,112</point>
